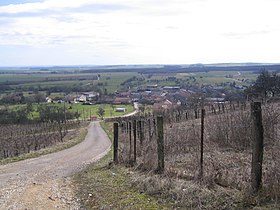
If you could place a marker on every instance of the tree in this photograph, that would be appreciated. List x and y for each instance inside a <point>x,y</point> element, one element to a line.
<point>39,97</point>
<point>267,84</point>
<point>50,113</point>
<point>100,112</point>
<point>12,98</point>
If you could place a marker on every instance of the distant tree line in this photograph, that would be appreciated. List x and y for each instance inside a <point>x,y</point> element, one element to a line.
<point>186,69</point>
<point>45,113</point>
<point>19,98</point>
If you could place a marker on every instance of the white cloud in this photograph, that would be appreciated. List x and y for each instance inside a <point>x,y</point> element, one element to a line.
<point>146,31</point>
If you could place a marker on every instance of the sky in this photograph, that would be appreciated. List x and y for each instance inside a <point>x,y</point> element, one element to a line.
<point>113,32</point>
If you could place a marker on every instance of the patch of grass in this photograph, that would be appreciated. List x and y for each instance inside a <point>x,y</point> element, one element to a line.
<point>86,111</point>
<point>106,186</point>
<point>69,141</point>
<point>187,194</point>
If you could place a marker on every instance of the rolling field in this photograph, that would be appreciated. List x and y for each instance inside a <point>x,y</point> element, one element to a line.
<point>110,81</point>
<point>217,77</point>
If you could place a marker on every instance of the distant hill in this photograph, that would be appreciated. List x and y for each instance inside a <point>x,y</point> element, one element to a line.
<point>146,69</point>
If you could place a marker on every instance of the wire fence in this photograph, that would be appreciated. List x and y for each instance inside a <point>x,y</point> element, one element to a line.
<point>217,147</point>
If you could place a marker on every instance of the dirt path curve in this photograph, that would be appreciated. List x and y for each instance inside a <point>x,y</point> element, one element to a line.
<point>43,182</point>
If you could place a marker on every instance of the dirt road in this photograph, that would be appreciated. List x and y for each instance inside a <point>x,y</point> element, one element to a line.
<point>43,182</point>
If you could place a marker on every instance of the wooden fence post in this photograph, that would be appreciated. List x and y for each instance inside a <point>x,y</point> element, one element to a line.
<point>116,139</point>
<point>134,140</point>
<point>257,146</point>
<point>201,143</point>
<point>160,145</point>
<point>141,132</point>
<point>130,141</point>
<point>155,126</point>
<point>150,129</point>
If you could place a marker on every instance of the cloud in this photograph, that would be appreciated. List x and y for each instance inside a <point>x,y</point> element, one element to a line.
<point>242,35</point>
<point>146,31</point>
<point>97,8</point>
<point>9,2</point>
<point>49,24</point>
<point>37,11</point>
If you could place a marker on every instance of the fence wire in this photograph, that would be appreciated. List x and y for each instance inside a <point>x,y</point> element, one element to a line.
<point>227,144</point>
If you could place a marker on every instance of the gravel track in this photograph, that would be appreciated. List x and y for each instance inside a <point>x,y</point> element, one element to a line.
<point>43,182</point>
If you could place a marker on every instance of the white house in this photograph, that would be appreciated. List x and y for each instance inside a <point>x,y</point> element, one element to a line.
<point>120,109</point>
<point>48,100</point>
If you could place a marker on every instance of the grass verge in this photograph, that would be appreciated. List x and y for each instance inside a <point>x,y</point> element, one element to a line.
<point>106,186</point>
<point>69,141</point>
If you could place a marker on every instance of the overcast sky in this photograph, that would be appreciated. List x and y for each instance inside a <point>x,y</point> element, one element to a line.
<point>82,32</point>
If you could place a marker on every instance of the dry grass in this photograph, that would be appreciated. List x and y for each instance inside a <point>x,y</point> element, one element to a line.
<point>104,185</point>
<point>227,161</point>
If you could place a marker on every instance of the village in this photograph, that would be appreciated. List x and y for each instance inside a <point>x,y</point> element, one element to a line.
<point>159,97</point>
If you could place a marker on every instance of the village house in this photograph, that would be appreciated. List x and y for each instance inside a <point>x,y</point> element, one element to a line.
<point>120,100</point>
<point>120,110</point>
<point>165,105</point>
<point>49,100</point>
<point>88,96</point>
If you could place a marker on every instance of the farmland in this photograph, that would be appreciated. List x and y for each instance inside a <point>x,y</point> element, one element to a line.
<point>112,78</point>
<point>45,81</point>
<point>41,107</point>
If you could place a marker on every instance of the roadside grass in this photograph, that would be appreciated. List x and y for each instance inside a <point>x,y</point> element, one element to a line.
<point>70,140</point>
<point>104,185</point>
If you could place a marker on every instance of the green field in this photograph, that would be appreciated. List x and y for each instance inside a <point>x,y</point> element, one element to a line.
<point>217,77</point>
<point>91,110</point>
<point>87,111</point>
<point>110,81</point>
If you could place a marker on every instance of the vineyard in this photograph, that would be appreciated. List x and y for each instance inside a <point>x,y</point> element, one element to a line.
<point>213,145</point>
<point>24,138</point>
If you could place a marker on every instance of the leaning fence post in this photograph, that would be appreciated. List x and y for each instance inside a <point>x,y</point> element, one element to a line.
<point>160,145</point>
<point>257,146</point>
<point>116,139</point>
<point>201,143</point>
